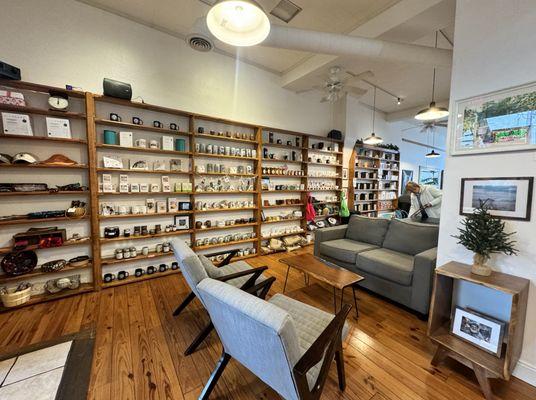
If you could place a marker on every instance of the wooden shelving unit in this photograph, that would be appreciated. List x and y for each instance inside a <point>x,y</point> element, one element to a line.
<point>95,117</point>
<point>375,175</point>
<point>83,138</point>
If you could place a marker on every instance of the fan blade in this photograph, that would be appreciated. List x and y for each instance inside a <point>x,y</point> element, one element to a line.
<point>444,124</point>
<point>409,129</point>
<point>303,91</point>
<point>324,99</point>
<point>359,77</point>
<point>355,91</point>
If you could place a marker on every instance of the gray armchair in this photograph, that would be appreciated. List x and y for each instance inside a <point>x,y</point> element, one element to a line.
<point>196,267</point>
<point>289,345</point>
<point>397,258</point>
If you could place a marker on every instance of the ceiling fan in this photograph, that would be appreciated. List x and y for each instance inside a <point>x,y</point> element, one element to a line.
<point>428,126</point>
<point>340,82</point>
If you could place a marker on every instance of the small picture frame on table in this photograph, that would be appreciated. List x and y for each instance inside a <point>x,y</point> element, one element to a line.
<point>480,330</point>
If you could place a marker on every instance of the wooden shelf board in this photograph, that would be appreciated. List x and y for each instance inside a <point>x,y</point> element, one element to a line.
<point>218,137</point>
<point>224,210</point>
<point>211,246</point>
<point>39,220</point>
<point>45,193</point>
<point>142,150</point>
<point>143,106</point>
<point>224,193</point>
<point>486,360</point>
<point>144,215</point>
<point>84,288</point>
<point>283,220</point>
<point>203,155</point>
<point>145,277</point>
<point>282,161</point>
<point>284,146</point>
<point>151,256</point>
<point>284,191</point>
<point>141,237</point>
<point>217,228</point>
<point>5,250</point>
<point>128,125</point>
<point>43,138</point>
<point>325,151</point>
<point>148,194</point>
<point>41,111</point>
<point>323,190</point>
<point>35,87</point>
<point>137,171</point>
<point>282,235</point>
<point>30,166</point>
<point>323,164</point>
<point>38,272</point>
<point>283,176</point>
<point>284,205</point>
<point>224,174</point>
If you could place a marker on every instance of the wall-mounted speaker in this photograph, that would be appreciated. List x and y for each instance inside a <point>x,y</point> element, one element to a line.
<point>120,90</point>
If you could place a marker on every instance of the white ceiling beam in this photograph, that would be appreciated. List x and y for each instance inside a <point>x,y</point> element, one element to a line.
<point>373,28</point>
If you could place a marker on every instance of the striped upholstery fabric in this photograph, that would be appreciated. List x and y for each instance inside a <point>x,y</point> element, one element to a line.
<point>237,266</point>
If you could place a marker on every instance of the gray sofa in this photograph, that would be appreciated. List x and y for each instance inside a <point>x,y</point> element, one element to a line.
<point>396,257</point>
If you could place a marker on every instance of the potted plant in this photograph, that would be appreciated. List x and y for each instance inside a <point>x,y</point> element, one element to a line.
<point>484,234</point>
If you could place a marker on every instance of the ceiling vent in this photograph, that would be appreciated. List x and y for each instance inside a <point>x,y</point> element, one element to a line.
<point>199,37</point>
<point>286,10</point>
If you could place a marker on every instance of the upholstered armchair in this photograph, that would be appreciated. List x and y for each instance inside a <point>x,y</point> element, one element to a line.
<point>289,345</point>
<point>196,267</point>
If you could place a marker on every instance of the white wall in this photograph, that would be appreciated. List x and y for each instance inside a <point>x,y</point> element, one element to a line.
<point>63,41</point>
<point>358,125</point>
<point>494,49</point>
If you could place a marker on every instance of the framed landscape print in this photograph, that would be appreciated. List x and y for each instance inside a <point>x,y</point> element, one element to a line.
<point>479,329</point>
<point>508,198</point>
<point>500,121</point>
<point>430,176</point>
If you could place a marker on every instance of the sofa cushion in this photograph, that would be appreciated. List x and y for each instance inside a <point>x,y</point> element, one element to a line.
<point>388,264</point>
<point>367,230</point>
<point>410,237</point>
<point>345,250</point>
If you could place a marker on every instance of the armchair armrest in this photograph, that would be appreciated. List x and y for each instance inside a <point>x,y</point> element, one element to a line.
<point>325,234</point>
<point>261,289</point>
<point>325,346</point>
<point>254,272</point>
<point>424,266</point>
<point>227,260</point>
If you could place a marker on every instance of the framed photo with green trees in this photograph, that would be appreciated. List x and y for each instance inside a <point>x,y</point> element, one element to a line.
<point>500,121</point>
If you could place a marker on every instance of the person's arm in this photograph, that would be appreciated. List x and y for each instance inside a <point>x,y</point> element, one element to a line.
<point>414,205</point>
<point>437,196</point>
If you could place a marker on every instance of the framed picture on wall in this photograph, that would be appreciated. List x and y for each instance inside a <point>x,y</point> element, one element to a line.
<point>508,198</point>
<point>407,176</point>
<point>479,329</point>
<point>429,176</point>
<point>499,121</point>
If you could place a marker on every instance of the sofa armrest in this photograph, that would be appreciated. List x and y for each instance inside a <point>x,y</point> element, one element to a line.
<point>326,234</point>
<point>424,266</point>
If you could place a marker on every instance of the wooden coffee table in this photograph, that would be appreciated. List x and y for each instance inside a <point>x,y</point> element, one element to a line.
<point>324,271</point>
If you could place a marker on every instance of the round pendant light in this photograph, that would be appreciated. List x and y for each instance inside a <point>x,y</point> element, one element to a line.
<point>432,112</point>
<point>373,139</point>
<point>432,154</point>
<point>238,22</point>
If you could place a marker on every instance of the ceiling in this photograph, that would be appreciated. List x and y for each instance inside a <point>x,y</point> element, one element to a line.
<point>409,21</point>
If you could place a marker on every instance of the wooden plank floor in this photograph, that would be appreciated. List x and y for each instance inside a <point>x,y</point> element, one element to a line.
<point>139,346</point>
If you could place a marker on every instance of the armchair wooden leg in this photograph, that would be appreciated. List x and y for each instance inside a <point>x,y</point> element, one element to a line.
<point>199,339</point>
<point>340,368</point>
<point>222,363</point>
<point>184,303</point>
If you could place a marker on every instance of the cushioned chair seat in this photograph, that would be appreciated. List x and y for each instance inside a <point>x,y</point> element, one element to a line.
<point>344,250</point>
<point>388,264</point>
<point>309,323</point>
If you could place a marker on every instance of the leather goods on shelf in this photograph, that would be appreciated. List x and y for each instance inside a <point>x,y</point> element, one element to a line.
<point>19,263</point>
<point>53,266</point>
<point>57,285</point>
<point>44,214</point>
<point>58,159</point>
<point>40,237</point>
<point>23,187</point>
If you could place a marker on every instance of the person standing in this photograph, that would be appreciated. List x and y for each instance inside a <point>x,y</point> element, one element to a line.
<point>425,201</point>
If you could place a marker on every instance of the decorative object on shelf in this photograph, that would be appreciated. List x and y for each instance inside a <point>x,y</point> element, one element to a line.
<point>121,275</point>
<point>16,124</point>
<point>79,261</point>
<point>19,262</point>
<point>12,98</point>
<point>16,296</point>
<point>504,120</point>
<point>115,117</point>
<point>173,126</point>
<point>506,198</point>
<point>76,210</point>
<point>479,329</point>
<point>109,277</point>
<point>430,176</point>
<point>57,285</point>
<point>484,234</point>
<point>373,139</point>
<point>53,266</point>
<point>335,135</point>
<point>58,100</point>
<point>110,137</point>
<point>158,124</point>
<point>114,162</point>
<point>117,89</point>
<point>139,272</point>
<point>126,139</point>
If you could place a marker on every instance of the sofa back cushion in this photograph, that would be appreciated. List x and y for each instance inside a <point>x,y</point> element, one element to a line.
<point>367,230</point>
<point>410,237</point>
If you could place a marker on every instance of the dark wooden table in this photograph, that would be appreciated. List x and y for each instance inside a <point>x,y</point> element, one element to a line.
<point>326,272</point>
